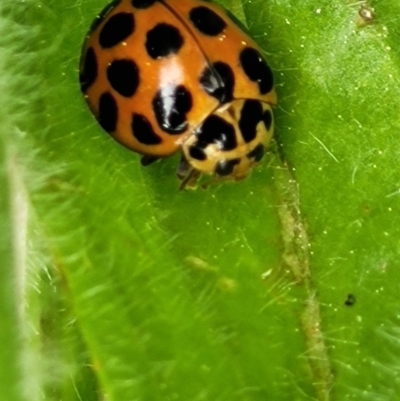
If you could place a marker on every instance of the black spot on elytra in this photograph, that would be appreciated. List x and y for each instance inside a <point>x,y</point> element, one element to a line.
<point>163,40</point>
<point>89,69</point>
<point>257,153</point>
<point>170,106</point>
<point>108,112</point>
<point>116,29</point>
<point>267,118</point>
<point>197,153</point>
<point>207,21</point>
<point>123,76</point>
<point>142,4</point>
<point>256,69</point>
<point>215,130</point>
<point>100,18</point>
<point>250,116</point>
<point>143,131</point>
<point>218,81</point>
<point>225,167</point>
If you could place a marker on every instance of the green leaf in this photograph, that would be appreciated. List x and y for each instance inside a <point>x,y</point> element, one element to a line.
<point>279,287</point>
<point>10,358</point>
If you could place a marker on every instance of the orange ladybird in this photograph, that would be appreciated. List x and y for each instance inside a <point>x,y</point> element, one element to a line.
<point>163,76</point>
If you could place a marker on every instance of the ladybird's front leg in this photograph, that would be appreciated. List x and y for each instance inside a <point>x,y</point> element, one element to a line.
<point>187,174</point>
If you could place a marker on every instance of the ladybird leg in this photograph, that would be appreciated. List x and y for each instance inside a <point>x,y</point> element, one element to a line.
<point>207,184</point>
<point>187,174</point>
<point>147,160</point>
<point>190,181</point>
<point>183,169</point>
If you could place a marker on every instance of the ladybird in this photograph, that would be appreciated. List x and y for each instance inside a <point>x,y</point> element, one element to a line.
<point>163,76</point>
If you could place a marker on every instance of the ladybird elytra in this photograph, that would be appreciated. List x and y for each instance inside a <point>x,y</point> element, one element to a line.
<point>163,76</point>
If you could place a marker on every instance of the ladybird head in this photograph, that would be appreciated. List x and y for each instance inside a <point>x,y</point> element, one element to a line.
<point>231,139</point>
